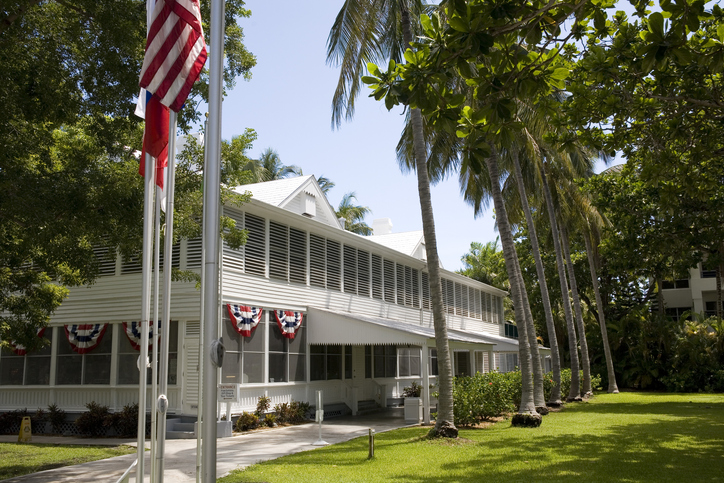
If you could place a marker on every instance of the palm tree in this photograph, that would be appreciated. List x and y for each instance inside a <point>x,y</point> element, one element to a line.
<point>484,263</point>
<point>269,167</point>
<point>375,31</point>
<point>354,215</point>
<point>325,184</point>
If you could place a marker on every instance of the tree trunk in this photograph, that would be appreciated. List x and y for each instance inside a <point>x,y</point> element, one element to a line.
<point>585,361</point>
<point>444,424</point>
<point>555,399</point>
<point>612,386</point>
<point>527,401</point>
<point>538,390</point>
<point>575,392</point>
<point>718,292</point>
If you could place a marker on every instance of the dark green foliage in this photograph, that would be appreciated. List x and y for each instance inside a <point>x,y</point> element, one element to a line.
<point>94,421</point>
<point>294,412</point>
<point>262,406</point>
<point>125,423</point>
<point>247,422</point>
<point>270,420</point>
<point>56,417</point>
<point>10,421</point>
<point>413,390</point>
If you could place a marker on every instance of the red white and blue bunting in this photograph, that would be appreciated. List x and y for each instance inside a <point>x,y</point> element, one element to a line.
<point>288,322</point>
<point>134,334</point>
<point>19,349</point>
<point>84,338</point>
<point>244,318</point>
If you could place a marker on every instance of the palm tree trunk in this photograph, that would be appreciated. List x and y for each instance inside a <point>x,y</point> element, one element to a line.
<point>538,392</point>
<point>444,424</point>
<point>527,402</point>
<point>585,360</point>
<point>612,386</point>
<point>555,399</point>
<point>575,392</point>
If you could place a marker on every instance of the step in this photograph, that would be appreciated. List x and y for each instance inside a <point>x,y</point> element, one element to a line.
<point>182,427</point>
<point>180,435</point>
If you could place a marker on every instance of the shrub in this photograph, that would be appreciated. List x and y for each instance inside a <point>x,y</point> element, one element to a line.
<point>94,421</point>
<point>56,416</point>
<point>125,422</point>
<point>270,420</point>
<point>413,390</point>
<point>283,412</point>
<point>484,396</point>
<point>10,421</point>
<point>299,411</point>
<point>262,406</point>
<point>247,421</point>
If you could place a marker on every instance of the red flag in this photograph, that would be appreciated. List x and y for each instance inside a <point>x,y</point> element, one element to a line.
<point>155,138</point>
<point>175,51</point>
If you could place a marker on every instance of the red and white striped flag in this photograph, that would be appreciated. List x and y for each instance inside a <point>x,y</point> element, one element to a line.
<point>175,51</point>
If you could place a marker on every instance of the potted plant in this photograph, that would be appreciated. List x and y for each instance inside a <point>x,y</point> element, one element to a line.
<point>413,403</point>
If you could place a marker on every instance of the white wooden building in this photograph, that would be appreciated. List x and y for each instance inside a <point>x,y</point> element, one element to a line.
<point>366,330</point>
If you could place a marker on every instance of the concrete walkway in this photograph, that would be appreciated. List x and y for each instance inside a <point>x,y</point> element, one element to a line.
<point>231,453</point>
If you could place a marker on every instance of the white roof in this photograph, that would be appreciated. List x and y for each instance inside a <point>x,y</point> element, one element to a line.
<point>406,242</point>
<point>274,192</point>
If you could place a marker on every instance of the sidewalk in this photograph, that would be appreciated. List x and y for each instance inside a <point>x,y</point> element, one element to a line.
<point>231,453</point>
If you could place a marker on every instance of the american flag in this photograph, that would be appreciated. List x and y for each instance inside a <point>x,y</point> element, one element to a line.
<point>175,51</point>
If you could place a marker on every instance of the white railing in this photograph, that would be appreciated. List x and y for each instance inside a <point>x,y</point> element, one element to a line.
<point>126,477</point>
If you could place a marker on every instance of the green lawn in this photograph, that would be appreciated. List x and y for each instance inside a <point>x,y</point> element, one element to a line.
<point>629,437</point>
<point>24,458</point>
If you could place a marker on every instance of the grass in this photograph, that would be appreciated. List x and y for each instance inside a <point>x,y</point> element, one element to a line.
<point>18,459</point>
<point>628,437</point>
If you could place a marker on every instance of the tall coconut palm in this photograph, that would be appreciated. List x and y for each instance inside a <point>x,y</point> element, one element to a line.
<point>375,31</point>
<point>325,184</point>
<point>354,215</point>
<point>272,168</point>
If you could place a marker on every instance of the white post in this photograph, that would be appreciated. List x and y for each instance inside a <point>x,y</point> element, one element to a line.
<point>319,417</point>
<point>425,384</point>
<point>154,344</point>
<point>161,403</point>
<point>149,186</point>
<point>210,290</point>
<point>202,347</point>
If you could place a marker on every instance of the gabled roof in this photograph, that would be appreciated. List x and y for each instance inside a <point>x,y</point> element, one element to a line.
<point>408,242</point>
<point>286,193</point>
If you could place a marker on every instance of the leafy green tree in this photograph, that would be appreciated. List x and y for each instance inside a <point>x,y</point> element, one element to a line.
<point>354,215</point>
<point>484,263</point>
<point>269,167</point>
<point>68,182</point>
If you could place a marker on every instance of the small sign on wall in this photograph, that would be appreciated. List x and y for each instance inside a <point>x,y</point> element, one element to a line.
<point>228,393</point>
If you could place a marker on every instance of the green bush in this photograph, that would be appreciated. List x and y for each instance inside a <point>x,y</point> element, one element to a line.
<point>262,406</point>
<point>484,396</point>
<point>125,422</point>
<point>247,422</point>
<point>283,412</point>
<point>293,412</point>
<point>94,421</point>
<point>413,390</point>
<point>56,416</point>
<point>270,420</point>
<point>299,411</point>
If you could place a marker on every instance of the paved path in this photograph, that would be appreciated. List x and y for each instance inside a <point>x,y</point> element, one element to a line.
<point>237,452</point>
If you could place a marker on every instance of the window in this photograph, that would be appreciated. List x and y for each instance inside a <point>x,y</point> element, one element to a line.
<point>368,362</point>
<point>389,281</point>
<point>385,361</point>
<point>350,269</point>
<point>678,283</point>
<point>462,363</point>
<point>458,299</point>
<point>31,369</point>
<point>233,258</point>
<point>676,312</point>
<point>511,331</point>
<point>480,362</point>
<point>434,371</point>
<point>363,273</point>
<point>710,308</point>
<point>255,248</point>
<point>325,362</point>
<point>400,284</point>
<point>708,269</point>
<point>426,301</point>
<point>334,265</point>
<point>408,361</point>
<point>297,256</point>
<point>377,277</point>
<point>93,367</point>
<point>128,357</point>
<point>317,261</point>
<point>278,251</point>
<point>244,358</point>
<point>511,361</point>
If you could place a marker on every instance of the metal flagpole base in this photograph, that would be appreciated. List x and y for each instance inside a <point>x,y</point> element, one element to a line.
<point>320,442</point>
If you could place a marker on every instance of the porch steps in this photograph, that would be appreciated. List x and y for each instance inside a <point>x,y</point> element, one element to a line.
<point>367,406</point>
<point>178,428</point>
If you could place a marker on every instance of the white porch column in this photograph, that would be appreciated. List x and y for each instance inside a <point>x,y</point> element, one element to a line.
<point>491,361</point>
<point>425,384</point>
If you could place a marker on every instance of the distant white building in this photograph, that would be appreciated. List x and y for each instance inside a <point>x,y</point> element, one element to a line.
<point>696,293</point>
<point>364,302</point>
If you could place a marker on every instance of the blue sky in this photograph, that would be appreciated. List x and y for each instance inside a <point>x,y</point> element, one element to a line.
<point>288,103</point>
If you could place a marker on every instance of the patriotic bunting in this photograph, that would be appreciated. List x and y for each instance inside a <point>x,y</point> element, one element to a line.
<point>19,349</point>
<point>84,338</point>
<point>288,322</point>
<point>244,318</point>
<point>134,334</point>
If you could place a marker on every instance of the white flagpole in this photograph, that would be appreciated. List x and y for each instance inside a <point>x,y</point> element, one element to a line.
<point>155,325</point>
<point>166,319</point>
<point>210,290</point>
<point>148,222</point>
<point>200,399</point>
